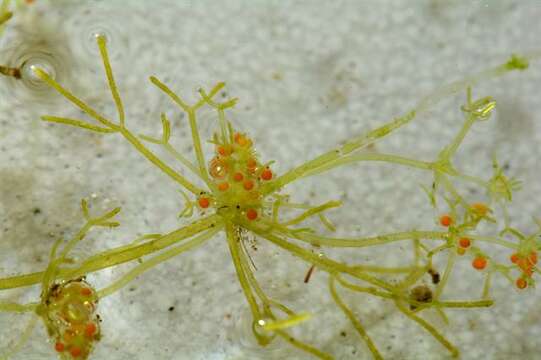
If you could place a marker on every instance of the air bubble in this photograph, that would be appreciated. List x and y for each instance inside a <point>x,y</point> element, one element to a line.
<point>38,61</point>
<point>92,37</point>
<point>91,23</point>
<point>29,88</point>
<point>244,335</point>
<point>42,44</point>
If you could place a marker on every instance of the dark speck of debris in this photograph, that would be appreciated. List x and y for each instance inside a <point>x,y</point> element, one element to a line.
<point>36,211</point>
<point>435,276</point>
<point>343,333</point>
<point>171,308</point>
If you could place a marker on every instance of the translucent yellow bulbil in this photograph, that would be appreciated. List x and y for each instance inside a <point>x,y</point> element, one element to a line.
<point>69,313</point>
<point>240,194</point>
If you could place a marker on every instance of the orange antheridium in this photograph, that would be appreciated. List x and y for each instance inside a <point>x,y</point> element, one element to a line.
<point>479,263</point>
<point>446,220</point>
<point>464,242</point>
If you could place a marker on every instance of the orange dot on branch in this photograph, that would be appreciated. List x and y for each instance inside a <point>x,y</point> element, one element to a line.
<point>75,351</point>
<point>86,291</point>
<point>480,209</point>
<point>204,202</point>
<point>524,265</point>
<point>464,242</point>
<point>223,186</point>
<point>238,176</point>
<point>251,214</point>
<point>223,150</point>
<point>266,174</point>
<point>241,139</point>
<point>248,184</point>
<point>514,258</point>
<point>59,347</point>
<point>479,263</point>
<point>251,163</point>
<point>90,329</point>
<point>446,220</point>
<point>532,258</point>
<point>521,283</point>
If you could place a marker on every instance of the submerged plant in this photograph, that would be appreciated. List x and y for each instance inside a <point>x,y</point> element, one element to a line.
<point>242,194</point>
<point>5,14</point>
<point>67,307</point>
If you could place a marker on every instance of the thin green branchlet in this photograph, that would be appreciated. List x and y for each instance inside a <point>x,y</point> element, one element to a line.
<point>242,195</point>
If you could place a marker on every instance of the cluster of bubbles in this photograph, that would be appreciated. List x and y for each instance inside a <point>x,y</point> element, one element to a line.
<point>47,43</point>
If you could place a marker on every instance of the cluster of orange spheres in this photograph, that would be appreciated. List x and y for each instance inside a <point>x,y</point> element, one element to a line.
<point>526,263</point>
<point>71,319</point>
<point>237,176</point>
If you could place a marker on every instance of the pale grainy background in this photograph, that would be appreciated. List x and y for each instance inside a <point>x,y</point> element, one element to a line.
<point>309,74</point>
